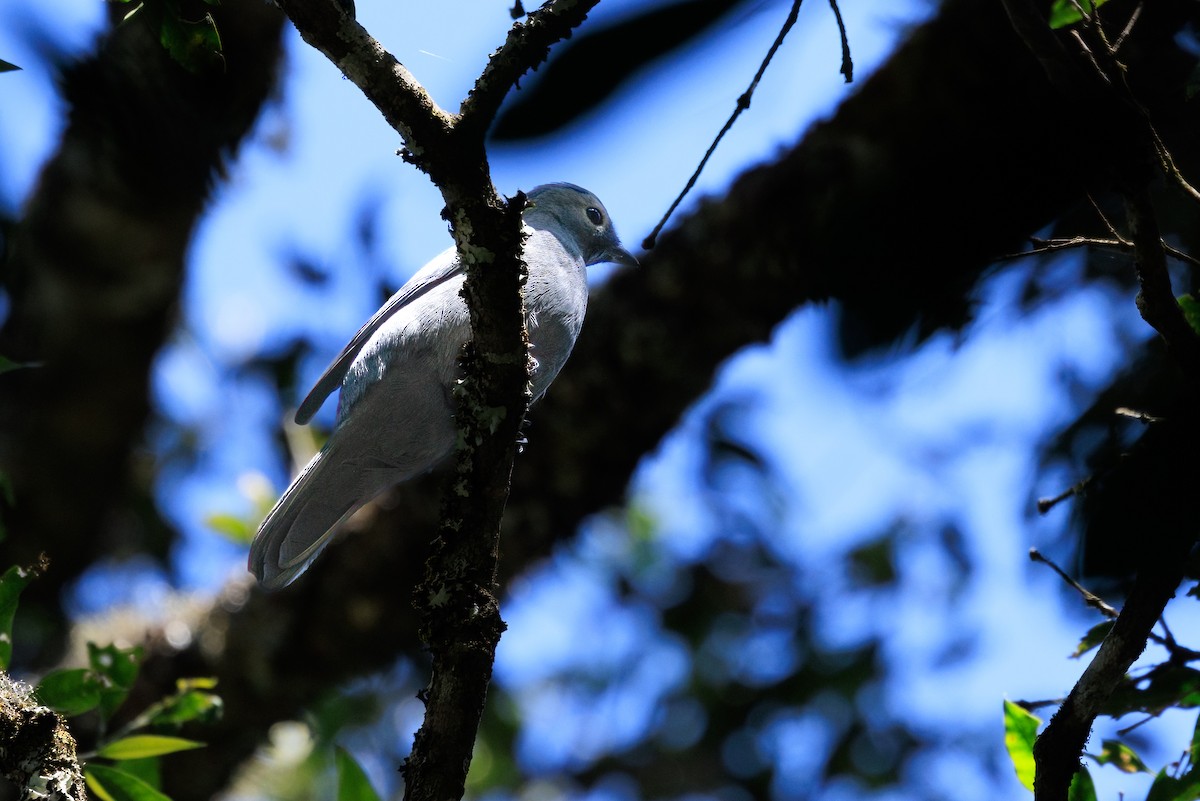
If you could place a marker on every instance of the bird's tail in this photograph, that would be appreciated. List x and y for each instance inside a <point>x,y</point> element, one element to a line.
<point>304,520</point>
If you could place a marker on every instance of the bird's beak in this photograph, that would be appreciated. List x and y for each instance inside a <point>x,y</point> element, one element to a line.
<point>619,255</point>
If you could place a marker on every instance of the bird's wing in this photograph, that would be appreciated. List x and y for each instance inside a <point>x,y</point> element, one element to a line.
<point>437,272</point>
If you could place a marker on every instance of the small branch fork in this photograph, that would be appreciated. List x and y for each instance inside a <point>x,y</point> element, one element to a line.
<point>1089,77</point>
<point>460,617</point>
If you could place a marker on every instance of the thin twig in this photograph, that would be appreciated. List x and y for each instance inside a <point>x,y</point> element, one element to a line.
<point>1043,246</point>
<point>847,62</point>
<point>1120,40</point>
<point>1089,597</point>
<point>1112,229</point>
<point>743,103</point>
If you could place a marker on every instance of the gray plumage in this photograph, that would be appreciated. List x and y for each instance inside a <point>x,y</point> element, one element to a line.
<point>395,414</point>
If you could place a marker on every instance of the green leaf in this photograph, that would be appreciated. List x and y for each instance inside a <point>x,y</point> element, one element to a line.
<point>352,782</point>
<point>1194,750</point>
<point>1064,12</point>
<point>140,746</point>
<point>112,784</point>
<point>1168,788</point>
<point>70,692</point>
<point>145,769</point>
<point>1095,635</point>
<point>12,582</point>
<point>1121,756</point>
<point>1020,733</point>
<point>185,707</point>
<point>119,668</point>
<point>1189,304</point>
<point>7,67</point>
<point>1082,788</point>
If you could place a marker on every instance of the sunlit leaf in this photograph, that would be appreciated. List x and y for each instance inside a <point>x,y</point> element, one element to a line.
<point>70,692</point>
<point>1020,733</point>
<point>1066,12</point>
<point>352,782</point>
<point>1121,756</point>
<point>14,580</point>
<point>112,784</point>
<point>140,746</point>
<point>1095,635</point>
<point>187,706</point>
<point>1082,788</point>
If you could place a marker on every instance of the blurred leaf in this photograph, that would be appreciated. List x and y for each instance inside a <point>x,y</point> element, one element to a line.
<point>873,564</point>
<point>1095,635</point>
<point>120,668</point>
<point>7,67</point>
<point>7,364</point>
<point>1166,685</point>
<point>14,580</point>
<point>71,692</point>
<point>1065,12</point>
<point>140,746</point>
<point>112,784</point>
<point>1020,733</point>
<point>1194,750</point>
<point>1082,788</point>
<point>1122,757</point>
<point>231,527</point>
<point>1190,306</point>
<point>1169,788</point>
<point>352,782</point>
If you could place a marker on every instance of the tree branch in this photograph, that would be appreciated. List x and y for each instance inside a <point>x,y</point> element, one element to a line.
<point>1095,86</point>
<point>460,617</point>
<point>527,46</point>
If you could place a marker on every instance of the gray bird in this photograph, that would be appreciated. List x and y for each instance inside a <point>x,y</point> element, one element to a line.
<point>395,417</point>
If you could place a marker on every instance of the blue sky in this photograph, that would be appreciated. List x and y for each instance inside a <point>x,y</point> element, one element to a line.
<point>943,434</point>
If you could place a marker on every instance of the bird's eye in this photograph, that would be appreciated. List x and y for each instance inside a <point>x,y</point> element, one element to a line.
<point>594,215</point>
